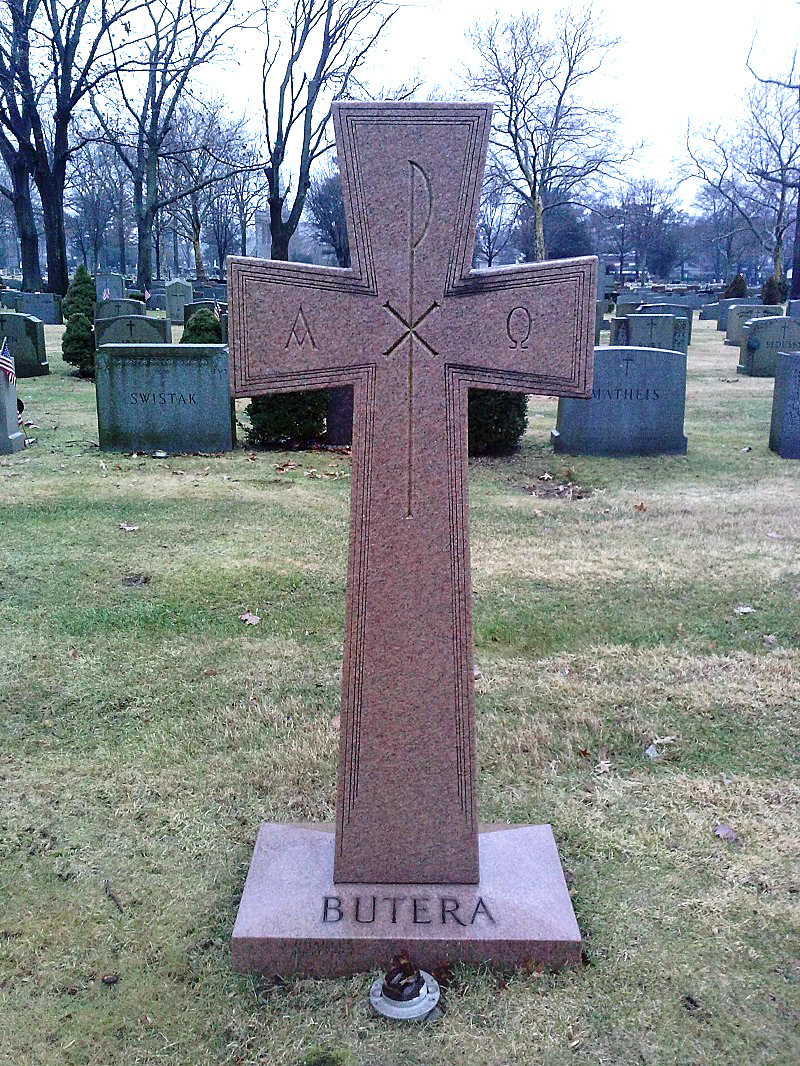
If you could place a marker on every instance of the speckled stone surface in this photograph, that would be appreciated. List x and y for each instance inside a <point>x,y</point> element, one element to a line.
<point>411,328</point>
<point>293,918</point>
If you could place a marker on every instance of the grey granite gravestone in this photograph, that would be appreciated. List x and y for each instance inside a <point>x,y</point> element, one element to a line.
<point>651,331</point>
<point>11,299</point>
<point>179,293</point>
<point>26,341</point>
<point>636,407</point>
<point>793,308</point>
<point>12,438</point>
<point>114,283</point>
<point>725,306</point>
<point>737,316</point>
<point>668,308</point>
<point>762,339</point>
<point>784,430</point>
<point>164,397</point>
<point>46,306</point>
<point>118,308</point>
<point>157,302</point>
<point>132,329</point>
<point>201,305</point>
<point>709,313</point>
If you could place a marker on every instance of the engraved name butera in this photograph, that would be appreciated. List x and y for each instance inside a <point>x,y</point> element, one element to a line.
<point>406,910</point>
<point>301,331</point>
<point>518,327</point>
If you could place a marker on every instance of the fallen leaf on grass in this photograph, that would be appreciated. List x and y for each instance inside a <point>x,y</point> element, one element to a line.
<point>290,464</point>
<point>477,673</point>
<point>336,721</point>
<point>652,752</point>
<point>253,458</point>
<point>126,527</point>
<point>603,767</point>
<point>747,449</point>
<point>178,473</point>
<point>774,536</point>
<point>32,425</point>
<point>724,832</point>
<point>769,640</point>
<point>545,477</point>
<point>110,978</point>
<point>136,581</point>
<point>744,608</point>
<point>73,654</point>
<point>249,618</point>
<point>208,671</point>
<point>640,507</point>
<point>681,631</point>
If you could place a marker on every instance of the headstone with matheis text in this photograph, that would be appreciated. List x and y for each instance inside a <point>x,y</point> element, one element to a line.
<point>173,398</point>
<point>12,436</point>
<point>132,329</point>
<point>636,407</point>
<point>784,431</point>
<point>118,308</point>
<point>26,341</point>
<point>651,331</point>
<point>411,328</point>
<point>762,339</point>
<point>737,316</point>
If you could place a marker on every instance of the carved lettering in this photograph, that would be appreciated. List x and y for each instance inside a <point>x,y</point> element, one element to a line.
<point>518,327</point>
<point>359,919</point>
<point>301,331</point>
<point>394,900</point>
<point>450,910</point>
<point>332,903</point>
<point>163,399</point>
<point>481,908</point>
<point>418,920</point>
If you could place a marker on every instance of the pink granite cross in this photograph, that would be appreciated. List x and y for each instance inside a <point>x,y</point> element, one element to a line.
<point>411,327</point>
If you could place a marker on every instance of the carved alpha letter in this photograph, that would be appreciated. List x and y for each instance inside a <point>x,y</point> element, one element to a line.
<point>301,331</point>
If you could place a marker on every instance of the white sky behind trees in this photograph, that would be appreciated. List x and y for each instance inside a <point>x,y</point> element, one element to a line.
<point>677,61</point>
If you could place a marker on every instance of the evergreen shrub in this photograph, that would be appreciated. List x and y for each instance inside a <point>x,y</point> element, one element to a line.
<point>202,328</point>
<point>296,418</point>
<point>77,344</point>
<point>134,294</point>
<point>497,420</point>
<point>773,291</point>
<point>737,288</point>
<point>81,296</point>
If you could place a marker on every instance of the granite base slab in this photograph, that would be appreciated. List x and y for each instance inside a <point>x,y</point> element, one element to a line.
<point>293,919</point>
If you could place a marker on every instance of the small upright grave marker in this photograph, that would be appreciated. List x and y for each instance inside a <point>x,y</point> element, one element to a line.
<point>411,328</point>
<point>762,339</point>
<point>737,316</point>
<point>26,340</point>
<point>784,431</point>
<point>132,329</point>
<point>651,331</point>
<point>12,438</point>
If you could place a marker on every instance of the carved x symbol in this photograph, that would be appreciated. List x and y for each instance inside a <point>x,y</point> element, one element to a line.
<point>410,328</point>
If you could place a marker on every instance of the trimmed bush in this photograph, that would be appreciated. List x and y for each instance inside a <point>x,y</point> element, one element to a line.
<point>736,288</point>
<point>202,328</point>
<point>497,420</point>
<point>81,296</point>
<point>296,418</point>
<point>77,345</point>
<point>133,294</point>
<point>773,291</point>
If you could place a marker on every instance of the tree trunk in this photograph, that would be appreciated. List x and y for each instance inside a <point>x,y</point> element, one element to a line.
<point>52,198</point>
<point>144,265</point>
<point>176,267</point>
<point>199,265</point>
<point>123,266</point>
<point>243,234</point>
<point>795,293</point>
<point>541,249</point>
<point>26,228</point>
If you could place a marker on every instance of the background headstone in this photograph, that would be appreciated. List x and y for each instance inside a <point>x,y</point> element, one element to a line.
<point>179,293</point>
<point>784,430</point>
<point>12,437</point>
<point>203,305</point>
<point>709,312</point>
<point>45,306</point>
<point>11,299</point>
<point>793,308</point>
<point>173,398</point>
<point>667,307</point>
<point>762,339</point>
<point>118,308</point>
<point>113,282</point>
<point>132,329</point>
<point>26,341</point>
<point>651,331</point>
<point>636,407</point>
<point>725,305</point>
<point>737,316</point>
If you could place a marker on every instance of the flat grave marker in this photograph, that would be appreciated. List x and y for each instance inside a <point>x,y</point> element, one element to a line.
<point>411,328</point>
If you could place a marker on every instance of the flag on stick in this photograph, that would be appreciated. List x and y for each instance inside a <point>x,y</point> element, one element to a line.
<point>217,309</point>
<point>7,363</point>
<point>106,293</point>
<point>147,295</point>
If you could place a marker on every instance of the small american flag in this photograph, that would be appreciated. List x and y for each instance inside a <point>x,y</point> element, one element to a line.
<point>106,293</point>
<point>7,363</point>
<point>217,309</point>
<point>147,295</point>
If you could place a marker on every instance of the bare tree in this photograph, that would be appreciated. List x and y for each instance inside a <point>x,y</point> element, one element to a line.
<point>312,59</point>
<point>497,218</point>
<point>248,190</point>
<point>90,204</point>
<point>325,211</point>
<point>17,192</point>
<point>179,38</point>
<point>754,168</point>
<point>548,143</point>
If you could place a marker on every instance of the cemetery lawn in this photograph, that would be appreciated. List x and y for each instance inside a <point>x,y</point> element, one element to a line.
<point>146,731</point>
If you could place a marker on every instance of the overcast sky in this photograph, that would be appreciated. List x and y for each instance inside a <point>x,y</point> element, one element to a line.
<point>676,60</point>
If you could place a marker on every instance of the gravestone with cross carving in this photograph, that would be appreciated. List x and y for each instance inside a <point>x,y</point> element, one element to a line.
<point>411,328</point>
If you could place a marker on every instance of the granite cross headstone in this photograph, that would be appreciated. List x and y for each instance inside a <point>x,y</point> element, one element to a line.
<point>762,339</point>
<point>411,328</point>
<point>737,316</point>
